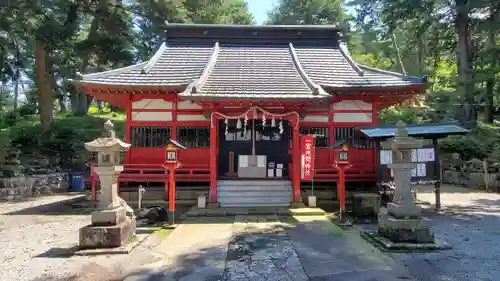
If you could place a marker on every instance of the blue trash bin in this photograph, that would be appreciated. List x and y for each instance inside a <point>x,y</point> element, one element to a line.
<point>77,182</point>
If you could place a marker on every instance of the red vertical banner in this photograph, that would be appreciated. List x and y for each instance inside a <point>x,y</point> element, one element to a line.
<point>306,157</point>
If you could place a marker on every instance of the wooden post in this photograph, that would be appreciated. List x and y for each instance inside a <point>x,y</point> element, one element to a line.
<point>213,159</point>
<point>341,190</point>
<point>165,190</point>
<point>296,163</point>
<point>437,174</point>
<point>171,202</point>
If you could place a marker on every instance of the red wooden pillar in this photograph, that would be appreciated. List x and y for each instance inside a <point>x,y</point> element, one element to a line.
<point>165,190</point>
<point>128,128</point>
<point>296,163</point>
<point>213,159</point>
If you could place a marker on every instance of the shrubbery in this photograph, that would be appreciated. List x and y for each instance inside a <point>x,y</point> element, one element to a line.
<point>62,146</point>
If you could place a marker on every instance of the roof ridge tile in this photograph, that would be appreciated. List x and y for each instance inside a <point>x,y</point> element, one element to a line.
<point>154,59</point>
<point>315,88</point>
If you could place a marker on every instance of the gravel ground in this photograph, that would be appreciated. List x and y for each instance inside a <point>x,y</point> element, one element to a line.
<point>34,233</point>
<point>470,223</point>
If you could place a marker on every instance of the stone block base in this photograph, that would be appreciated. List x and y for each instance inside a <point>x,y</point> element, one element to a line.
<point>416,230</point>
<point>109,217</point>
<point>107,236</point>
<point>404,211</point>
<point>213,205</point>
<point>365,204</point>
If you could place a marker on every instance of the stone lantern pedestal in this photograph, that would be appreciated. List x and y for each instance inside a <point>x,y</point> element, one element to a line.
<point>110,226</point>
<point>402,222</point>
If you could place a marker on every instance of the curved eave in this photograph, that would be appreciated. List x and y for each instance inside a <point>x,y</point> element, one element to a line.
<point>360,87</point>
<point>255,97</point>
<point>125,85</point>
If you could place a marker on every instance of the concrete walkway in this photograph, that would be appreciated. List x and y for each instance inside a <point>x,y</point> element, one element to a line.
<point>328,253</point>
<point>194,251</point>
<point>267,248</point>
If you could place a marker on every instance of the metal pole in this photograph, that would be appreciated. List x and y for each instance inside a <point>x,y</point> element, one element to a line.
<point>341,191</point>
<point>437,174</point>
<point>312,168</point>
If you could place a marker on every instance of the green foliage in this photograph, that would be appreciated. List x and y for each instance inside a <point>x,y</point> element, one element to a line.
<point>483,143</point>
<point>307,12</point>
<point>409,115</point>
<point>5,141</point>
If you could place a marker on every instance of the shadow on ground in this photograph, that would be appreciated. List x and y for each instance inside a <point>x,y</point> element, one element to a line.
<point>73,206</point>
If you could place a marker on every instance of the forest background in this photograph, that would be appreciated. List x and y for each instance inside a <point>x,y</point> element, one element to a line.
<point>44,119</point>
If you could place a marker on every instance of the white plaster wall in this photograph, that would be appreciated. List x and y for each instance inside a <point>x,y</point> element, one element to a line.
<point>352,105</point>
<point>152,104</point>
<point>315,118</point>
<point>188,105</point>
<point>190,117</point>
<point>152,116</point>
<point>352,117</point>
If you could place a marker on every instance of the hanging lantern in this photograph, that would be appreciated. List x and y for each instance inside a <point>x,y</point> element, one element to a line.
<point>263,119</point>
<point>281,127</point>
<point>273,122</point>
<point>238,124</point>
<point>245,124</point>
<point>227,126</point>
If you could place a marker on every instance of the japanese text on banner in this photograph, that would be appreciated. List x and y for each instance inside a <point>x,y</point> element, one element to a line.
<point>307,157</point>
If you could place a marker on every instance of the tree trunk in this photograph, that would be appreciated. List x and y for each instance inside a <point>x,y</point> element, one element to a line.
<point>42,82</point>
<point>82,100</point>
<point>464,61</point>
<point>492,56</point>
<point>16,87</point>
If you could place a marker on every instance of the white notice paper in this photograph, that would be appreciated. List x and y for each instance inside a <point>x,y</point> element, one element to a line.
<point>279,172</point>
<point>243,161</point>
<point>414,172</point>
<point>421,170</point>
<point>414,157</point>
<point>261,161</point>
<point>421,155</point>
<point>270,173</point>
<point>385,157</point>
<point>429,154</point>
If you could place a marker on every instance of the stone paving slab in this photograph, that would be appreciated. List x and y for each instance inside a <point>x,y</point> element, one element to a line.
<point>327,253</point>
<point>260,250</point>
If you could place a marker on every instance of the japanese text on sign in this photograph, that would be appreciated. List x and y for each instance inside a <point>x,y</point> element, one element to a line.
<point>307,157</point>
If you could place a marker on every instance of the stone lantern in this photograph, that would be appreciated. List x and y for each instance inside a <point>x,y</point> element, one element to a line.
<point>111,226</point>
<point>403,221</point>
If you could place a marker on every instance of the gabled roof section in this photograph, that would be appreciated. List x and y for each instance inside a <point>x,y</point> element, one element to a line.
<point>261,71</point>
<point>333,67</point>
<point>175,64</point>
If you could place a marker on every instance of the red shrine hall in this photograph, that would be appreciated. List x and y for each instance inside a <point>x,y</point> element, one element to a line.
<point>238,98</point>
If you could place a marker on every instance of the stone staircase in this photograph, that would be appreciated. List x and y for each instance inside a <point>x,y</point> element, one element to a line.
<point>254,193</point>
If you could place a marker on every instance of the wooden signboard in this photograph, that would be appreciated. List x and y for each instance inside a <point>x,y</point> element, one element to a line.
<point>424,158</point>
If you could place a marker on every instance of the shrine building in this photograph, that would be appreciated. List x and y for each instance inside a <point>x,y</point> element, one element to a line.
<point>239,97</point>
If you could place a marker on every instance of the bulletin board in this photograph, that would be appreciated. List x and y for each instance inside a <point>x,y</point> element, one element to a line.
<point>424,158</point>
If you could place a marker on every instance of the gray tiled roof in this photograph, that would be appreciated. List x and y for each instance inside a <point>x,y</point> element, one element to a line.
<point>175,64</point>
<point>329,66</point>
<point>254,71</point>
<point>250,67</point>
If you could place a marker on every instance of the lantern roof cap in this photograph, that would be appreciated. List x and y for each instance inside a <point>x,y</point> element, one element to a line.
<point>109,142</point>
<point>176,144</point>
